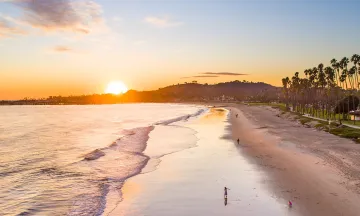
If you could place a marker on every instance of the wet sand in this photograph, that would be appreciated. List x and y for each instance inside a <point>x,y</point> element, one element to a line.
<point>318,171</point>
<point>191,180</point>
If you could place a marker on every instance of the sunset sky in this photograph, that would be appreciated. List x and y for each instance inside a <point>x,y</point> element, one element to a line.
<point>53,47</point>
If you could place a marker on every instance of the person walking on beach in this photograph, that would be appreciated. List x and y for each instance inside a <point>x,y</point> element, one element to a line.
<point>225,192</point>
<point>238,140</point>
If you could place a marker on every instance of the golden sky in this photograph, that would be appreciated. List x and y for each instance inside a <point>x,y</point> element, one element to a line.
<point>78,47</point>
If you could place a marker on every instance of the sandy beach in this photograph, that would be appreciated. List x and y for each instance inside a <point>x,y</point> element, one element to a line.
<point>191,181</point>
<point>318,171</point>
<point>276,160</point>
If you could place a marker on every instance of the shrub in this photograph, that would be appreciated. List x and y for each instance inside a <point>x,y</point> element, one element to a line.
<point>304,120</point>
<point>346,132</point>
<point>336,131</point>
<point>351,134</point>
<point>320,126</point>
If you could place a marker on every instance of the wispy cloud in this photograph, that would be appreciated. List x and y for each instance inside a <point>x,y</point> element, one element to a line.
<point>207,76</point>
<point>161,22</point>
<point>62,49</point>
<point>64,15</point>
<point>81,16</point>
<point>224,73</point>
<point>200,76</point>
<point>214,74</point>
<point>8,28</point>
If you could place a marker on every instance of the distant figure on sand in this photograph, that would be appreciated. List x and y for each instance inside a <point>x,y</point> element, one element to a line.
<point>290,204</point>
<point>238,140</point>
<point>236,115</point>
<point>225,192</point>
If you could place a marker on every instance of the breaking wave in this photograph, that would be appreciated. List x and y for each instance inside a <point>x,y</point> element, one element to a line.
<point>181,118</point>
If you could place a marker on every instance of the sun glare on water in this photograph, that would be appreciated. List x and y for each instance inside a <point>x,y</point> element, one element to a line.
<point>116,87</point>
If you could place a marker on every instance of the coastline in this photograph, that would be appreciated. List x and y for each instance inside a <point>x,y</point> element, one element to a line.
<point>303,166</point>
<point>93,149</point>
<point>190,180</point>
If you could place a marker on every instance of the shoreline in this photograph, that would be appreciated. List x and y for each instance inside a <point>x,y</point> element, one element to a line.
<point>299,171</point>
<point>208,166</point>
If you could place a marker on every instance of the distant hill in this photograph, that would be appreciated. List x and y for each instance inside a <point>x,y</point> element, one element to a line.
<point>235,90</point>
<point>187,92</point>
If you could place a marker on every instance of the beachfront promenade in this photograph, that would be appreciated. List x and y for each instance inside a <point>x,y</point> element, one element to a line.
<point>320,119</point>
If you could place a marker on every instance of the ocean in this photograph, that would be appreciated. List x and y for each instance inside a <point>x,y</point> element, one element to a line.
<point>73,160</point>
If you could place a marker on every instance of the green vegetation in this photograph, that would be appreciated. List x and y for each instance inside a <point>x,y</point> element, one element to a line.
<point>356,123</point>
<point>347,132</point>
<point>320,126</point>
<point>325,92</point>
<point>341,131</point>
<point>328,93</point>
<point>304,120</point>
<point>281,106</point>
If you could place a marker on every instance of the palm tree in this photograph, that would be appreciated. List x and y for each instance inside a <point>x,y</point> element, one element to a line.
<point>313,76</point>
<point>322,83</point>
<point>340,80</point>
<point>355,59</point>
<point>286,82</point>
<point>335,64</point>
<point>352,74</point>
<point>295,84</point>
<point>307,72</point>
<point>325,88</point>
<point>343,66</point>
<point>332,87</point>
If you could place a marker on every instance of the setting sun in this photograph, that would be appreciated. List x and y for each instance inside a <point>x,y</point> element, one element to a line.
<point>116,87</point>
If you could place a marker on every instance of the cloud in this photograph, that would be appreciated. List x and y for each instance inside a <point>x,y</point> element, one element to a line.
<point>224,73</point>
<point>207,76</point>
<point>200,76</point>
<point>61,15</point>
<point>8,28</point>
<point>161,22</point>
<point>62,49</point>
<point>214,74</point>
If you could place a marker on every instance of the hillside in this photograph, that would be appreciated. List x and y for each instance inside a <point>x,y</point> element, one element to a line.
<point>187,92</point>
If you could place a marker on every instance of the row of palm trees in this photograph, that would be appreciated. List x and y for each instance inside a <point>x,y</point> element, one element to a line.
<point>329,92</point>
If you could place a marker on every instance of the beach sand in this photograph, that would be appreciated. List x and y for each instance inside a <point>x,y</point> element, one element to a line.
<point>276,160</point>
<point>318,171</point>
<point>191,181</point>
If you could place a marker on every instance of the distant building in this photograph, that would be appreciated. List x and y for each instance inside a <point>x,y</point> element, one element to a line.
<point>355,114</point>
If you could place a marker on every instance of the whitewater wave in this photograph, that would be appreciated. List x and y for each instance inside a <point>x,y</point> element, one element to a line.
<point>75,163</point>
<point>111,166</point>
<point>114,164</point>
<point>181,118</point>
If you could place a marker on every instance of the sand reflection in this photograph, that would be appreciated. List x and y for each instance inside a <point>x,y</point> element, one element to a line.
<point>214,115</point>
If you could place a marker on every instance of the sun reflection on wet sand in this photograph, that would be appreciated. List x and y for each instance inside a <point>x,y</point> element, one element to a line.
<point>129,191</point>
<point>191,181</point>
<point>214,115</point>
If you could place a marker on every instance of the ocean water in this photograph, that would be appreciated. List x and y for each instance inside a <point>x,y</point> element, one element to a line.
<point>73,160</point>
